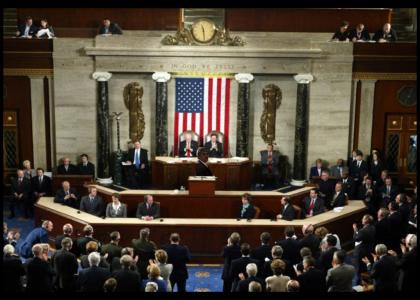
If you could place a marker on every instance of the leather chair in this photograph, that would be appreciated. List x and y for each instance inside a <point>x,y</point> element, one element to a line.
<point>257,212</point>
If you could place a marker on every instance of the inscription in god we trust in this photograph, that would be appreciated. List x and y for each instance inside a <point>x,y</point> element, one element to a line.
<point>202,67</point>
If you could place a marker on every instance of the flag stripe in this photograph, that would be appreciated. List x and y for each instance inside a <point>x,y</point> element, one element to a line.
<point>176,134</point>
<point>210,108</point>
<point>218,98</point>
<point>214,105</point>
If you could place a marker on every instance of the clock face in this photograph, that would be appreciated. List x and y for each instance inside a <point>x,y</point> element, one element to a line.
<point>203,30</point>
<point>407,95</point>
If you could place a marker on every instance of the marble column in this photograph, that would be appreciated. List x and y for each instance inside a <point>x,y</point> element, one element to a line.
<point>242,129</point>
<point>367,99</point>
<point>301,129</point>
<point>161,112</point>
<point>38,122</point>
<point>103,143</point>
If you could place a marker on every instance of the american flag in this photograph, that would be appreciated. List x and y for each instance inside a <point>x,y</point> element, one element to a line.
<point>202,105</point>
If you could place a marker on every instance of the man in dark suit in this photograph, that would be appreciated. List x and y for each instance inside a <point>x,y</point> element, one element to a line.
<point>342,34</point>
<point>316,171</point>
<point>65,266</point>
<point>86,167</point>
<point>188,147</point>
<point>36,236</point>
<point>22,195</point>
<point>358,168</point>
<point>145,250</point>
<point>340,276</point>
<point>337,170</point>
<point>127,279</point>
<point>137,159</point>
<point>178,256</point>
<point>311,280</point>
<point>386,34</point>
<point>276,253</point>
<point>382,227</point>
<point>395,220</point>
<point>383,271</point>
<point>287,212</point>
<point>339,198</point>
<point>92,204</point>
<point>202,169</point>
<point>230,252</point>
<point>109,28</point>
<point>251,271</point>
<point>348,185</point>
<point>27,30</point>
<point>247,210</point>
<point>290,245</point>
<point>326,257</point>
<point>270,165</point>
<point>359,34</point>
<point>368,195</point>
<point>67,168</point>
<point>92,279</point>
<point>310,240</point>
<point>312,204</point>
<point>67,196</point>
<point>326,187</point>
<point>148,210</point>
<point>387,192</point>
<point>83,240</point>
<point>67,232</point>
<point>112,249</point>
<point>41,185</point>
<point>214,147</point>
<point>13,270</point>
<point>39,273</point>
<point>364,242</point>
<point>408,264</point>
<point>238,265</point>
<point>264,251</point>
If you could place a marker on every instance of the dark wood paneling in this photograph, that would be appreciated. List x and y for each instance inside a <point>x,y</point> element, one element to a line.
<point>303,20</point>
<point>230,176</point>
<point>19,99</point>
<point>218,206</point>
<point>27,53</point>
<point>385,57</point>
<point>91,18</point>
<point>386,101</point>
<point>204,241</point>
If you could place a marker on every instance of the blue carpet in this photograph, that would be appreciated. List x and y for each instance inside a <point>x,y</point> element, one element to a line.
<point>204,279</point>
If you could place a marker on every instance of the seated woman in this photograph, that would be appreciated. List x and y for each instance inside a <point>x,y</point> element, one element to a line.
<point>287,212</point>
<point>247,210</point>
<point>45,30</point>
<point>116,209</point>
<point>28,172</point>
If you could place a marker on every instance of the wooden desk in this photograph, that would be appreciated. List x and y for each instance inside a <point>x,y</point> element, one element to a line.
<point>204,237</point>
<point>76,181</point>
<point>224,204</point>
<point>172,173</point>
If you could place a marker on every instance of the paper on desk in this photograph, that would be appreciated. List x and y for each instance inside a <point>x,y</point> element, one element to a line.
<point>338,209</point>
<point>125,164</point>
<point>357,244</point>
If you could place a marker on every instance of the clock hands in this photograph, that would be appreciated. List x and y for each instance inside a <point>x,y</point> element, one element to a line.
<point>204,33</point>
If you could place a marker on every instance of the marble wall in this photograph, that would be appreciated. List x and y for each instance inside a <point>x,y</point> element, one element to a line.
<point>270,57</point>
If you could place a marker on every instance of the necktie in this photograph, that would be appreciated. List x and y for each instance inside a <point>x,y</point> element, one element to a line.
<point>20,181</point>
<point>311,206</point>
<point>188,152</point>
<point>388,190</point>
<point>137,159</point>
<point>67,168</point>
<point>358,164</point>
<point>40,179</point>
<point>270,161</point>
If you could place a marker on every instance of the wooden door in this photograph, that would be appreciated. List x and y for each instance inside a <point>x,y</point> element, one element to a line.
<point>10,145</point>
<point>401,147</point>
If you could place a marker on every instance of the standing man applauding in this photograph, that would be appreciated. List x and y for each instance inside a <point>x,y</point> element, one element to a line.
<point>137,158</point>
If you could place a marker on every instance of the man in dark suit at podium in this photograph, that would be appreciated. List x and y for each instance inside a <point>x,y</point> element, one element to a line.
<point>188,147</point>
<point>137,159</point>
<point>67,168</point>
<point>86,167</point>
<point>202,169</point>
<point>214,147</point>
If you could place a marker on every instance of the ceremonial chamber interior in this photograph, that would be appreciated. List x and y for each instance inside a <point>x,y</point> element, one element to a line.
<point>210,149</point>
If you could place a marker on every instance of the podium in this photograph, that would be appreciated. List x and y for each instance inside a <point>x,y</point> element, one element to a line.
<point>201,185</point>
